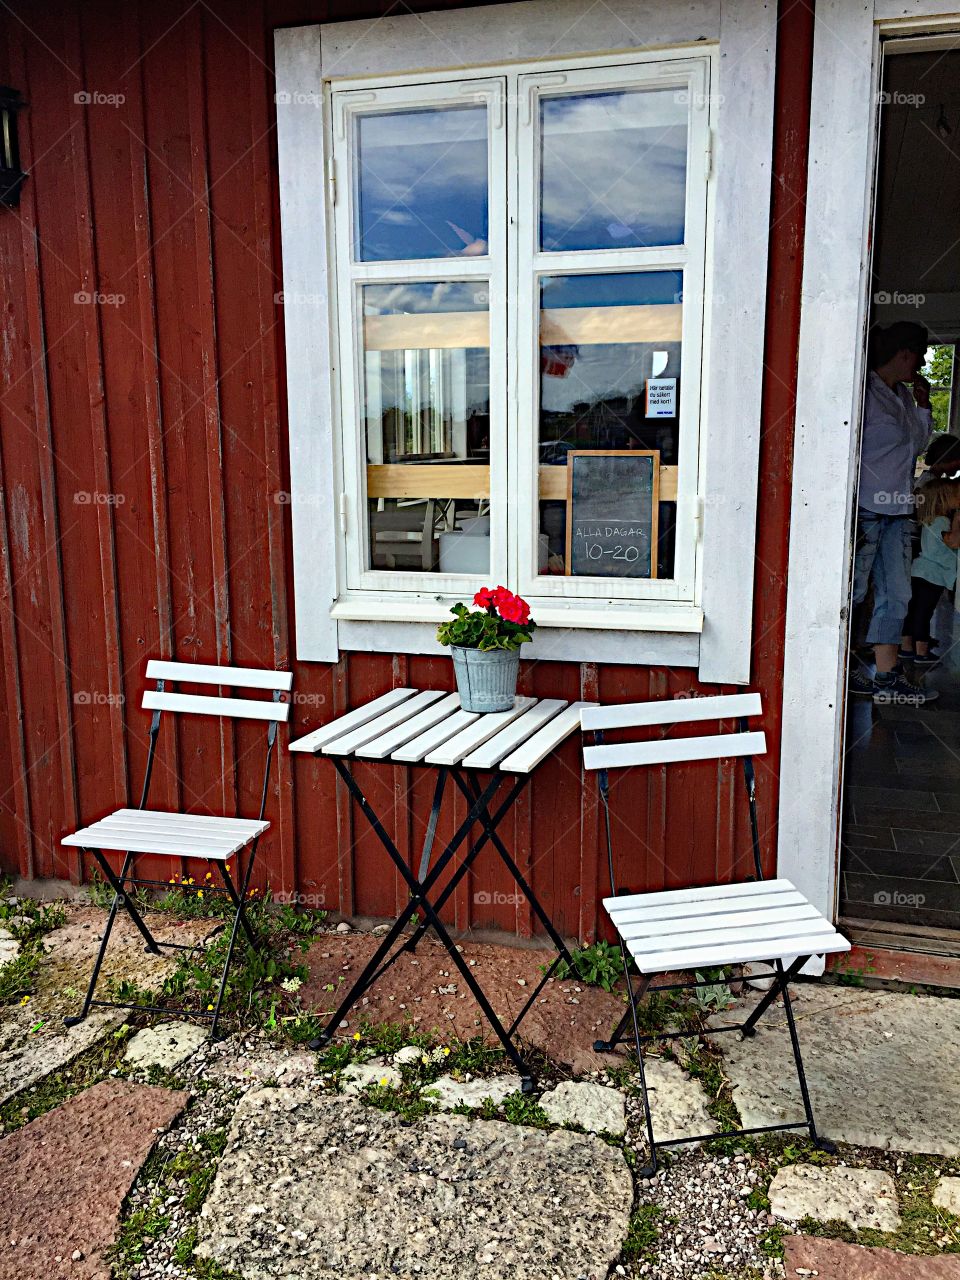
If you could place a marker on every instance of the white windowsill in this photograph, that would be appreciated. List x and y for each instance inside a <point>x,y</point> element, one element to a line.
<point>615,616</point>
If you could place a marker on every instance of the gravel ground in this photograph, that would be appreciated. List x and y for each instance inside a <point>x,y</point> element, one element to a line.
<point>706,1226</point>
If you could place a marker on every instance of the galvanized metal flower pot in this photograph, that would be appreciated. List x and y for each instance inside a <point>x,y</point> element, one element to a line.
<point>486,679</point>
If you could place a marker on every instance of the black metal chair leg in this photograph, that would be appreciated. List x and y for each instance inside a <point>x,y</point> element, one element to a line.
<point>118,897</point>
<point>650,1169</point>
<point>777,987</point>
<point>801,1074</point>
<point>152,945</point>
<point>239,905</point>
<point>223,979</point>
<point>607,1046</point>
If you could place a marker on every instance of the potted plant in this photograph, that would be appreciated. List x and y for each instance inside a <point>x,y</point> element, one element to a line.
<point>485,647</point>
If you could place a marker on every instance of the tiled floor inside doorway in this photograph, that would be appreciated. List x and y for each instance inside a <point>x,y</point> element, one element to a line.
<point>901,833</point>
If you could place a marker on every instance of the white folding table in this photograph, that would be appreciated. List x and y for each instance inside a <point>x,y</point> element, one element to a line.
<point>427,728</point>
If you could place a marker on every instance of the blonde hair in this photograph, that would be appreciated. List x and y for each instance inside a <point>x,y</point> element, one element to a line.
<point>940,496</point>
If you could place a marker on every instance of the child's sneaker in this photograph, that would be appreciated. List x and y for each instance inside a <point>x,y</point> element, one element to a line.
<point>859,681</point>
<point>928,659</point>
<point>925,659</point>
<point>893,686</point>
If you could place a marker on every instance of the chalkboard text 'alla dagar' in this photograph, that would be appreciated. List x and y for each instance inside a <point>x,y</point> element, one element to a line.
<point>582,530</point>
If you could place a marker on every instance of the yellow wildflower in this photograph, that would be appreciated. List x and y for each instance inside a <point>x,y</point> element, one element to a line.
<point>356,1035</point>
<point>25,1000</point>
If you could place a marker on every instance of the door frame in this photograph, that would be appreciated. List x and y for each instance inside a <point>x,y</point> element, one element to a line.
<point>844,133</point>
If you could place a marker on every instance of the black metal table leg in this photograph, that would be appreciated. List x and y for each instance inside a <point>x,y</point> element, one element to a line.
<point>373,964</point>
<point>419,890</point>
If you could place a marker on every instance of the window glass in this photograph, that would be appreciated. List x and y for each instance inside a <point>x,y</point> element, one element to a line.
<point>421,184</point>
<point>609,380</point>
<point>613,169</point>
<point>426,412</point>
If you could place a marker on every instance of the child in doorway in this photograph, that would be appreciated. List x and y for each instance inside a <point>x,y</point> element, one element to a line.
<point>935,568</point>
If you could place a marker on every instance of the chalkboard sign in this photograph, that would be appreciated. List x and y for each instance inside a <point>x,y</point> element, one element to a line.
<point>612,509</point>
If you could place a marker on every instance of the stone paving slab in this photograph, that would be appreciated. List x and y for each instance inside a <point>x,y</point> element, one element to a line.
<point>64,1177</point>
<point>594,1107</point>
<point>33,1040</point>
<point>165,1046</point>
<point>862,1198</point>
<point>833,1260</point>
<point>883,1068</point>
<point>319,1187</point>
<point>678,1103</point>
<point>946,1195</point>
<point>33,1057</point>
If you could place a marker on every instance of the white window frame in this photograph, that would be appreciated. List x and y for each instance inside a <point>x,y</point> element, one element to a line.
<point>691,76</point>
<point>715,635</point>
<point>347,102</point>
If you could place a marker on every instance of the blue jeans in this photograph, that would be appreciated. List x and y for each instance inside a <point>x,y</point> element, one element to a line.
<point>884,556</point>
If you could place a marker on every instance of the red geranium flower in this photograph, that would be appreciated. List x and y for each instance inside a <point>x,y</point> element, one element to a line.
<point>484,597</point>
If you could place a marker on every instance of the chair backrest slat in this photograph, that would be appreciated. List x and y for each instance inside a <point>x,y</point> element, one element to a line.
<point>204,704</point>
<point>630,715</point>
<point>225,677</point>
<point>623,755</point>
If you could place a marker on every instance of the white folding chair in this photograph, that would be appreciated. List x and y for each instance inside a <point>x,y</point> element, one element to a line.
<point>211,839</point>
<point>686,930</point>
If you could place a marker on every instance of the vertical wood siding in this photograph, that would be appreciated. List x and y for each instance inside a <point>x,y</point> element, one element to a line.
<point>143,451</point>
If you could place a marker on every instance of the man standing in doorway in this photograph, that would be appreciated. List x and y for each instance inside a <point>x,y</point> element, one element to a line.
<point>897,422</point>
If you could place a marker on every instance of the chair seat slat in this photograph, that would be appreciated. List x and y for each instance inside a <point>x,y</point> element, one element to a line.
<point>644,943</point>
<point>623,755</point>
<point>225,677</point>
<point>178,816</point>
<point>507,740</point>
<point>633,715</point>
<point>816,944</point>
<point>221,835</point>
<point>662,922</point>
<point>547,739</point>
<point>681,911</point>
<point>203,704</point>
<point>700,893</point>
<point>410,707</point>
<point>316,739</point>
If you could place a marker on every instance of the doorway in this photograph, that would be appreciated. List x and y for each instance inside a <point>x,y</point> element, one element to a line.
<point>900,833</point>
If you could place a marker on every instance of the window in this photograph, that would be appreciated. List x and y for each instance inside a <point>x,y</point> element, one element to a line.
<point>520,270</point>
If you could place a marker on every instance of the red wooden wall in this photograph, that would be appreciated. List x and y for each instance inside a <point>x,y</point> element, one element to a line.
<point>143,443</point>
